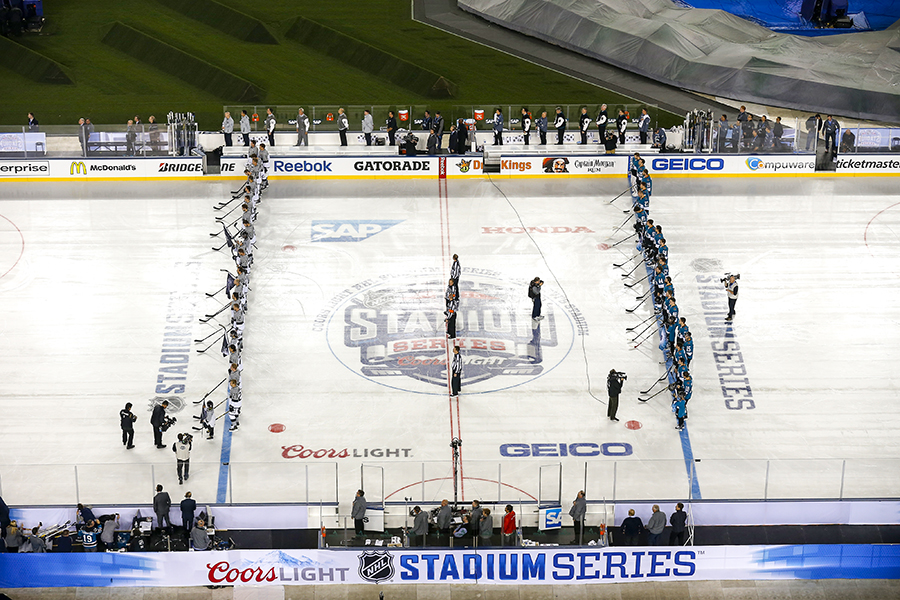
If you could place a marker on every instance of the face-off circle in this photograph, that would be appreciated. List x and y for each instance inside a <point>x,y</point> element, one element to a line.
<point>392,332</point>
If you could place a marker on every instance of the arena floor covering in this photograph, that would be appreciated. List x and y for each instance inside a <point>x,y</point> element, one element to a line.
<point>344,364</point>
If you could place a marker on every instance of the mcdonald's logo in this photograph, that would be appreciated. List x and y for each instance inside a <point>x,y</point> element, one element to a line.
<point>77,167</point>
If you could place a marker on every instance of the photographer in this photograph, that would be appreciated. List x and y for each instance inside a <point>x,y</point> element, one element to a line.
<point>534,292</point>
<point>157,419</point>
<point>731,288</point>
<point>127,419</point>
<point>614,387</point>
<point>182,450</point>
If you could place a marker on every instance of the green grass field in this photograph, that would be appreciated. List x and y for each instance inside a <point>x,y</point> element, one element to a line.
<point>111,86</point>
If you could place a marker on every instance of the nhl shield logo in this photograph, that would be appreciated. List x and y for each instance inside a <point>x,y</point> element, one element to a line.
<point>376,565</point>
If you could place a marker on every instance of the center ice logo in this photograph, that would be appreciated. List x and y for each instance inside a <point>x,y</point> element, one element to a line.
<point>393,332</point>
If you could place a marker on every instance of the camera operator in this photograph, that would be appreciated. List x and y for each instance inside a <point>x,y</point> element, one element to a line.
<point>182,450</point>
<point>157,419</point>
<point>614,386</point>
<point>731,288</point>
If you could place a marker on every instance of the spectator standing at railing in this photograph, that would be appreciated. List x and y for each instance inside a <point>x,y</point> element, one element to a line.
<point>655,526</point>
<point>391,124</point>
<point>475,519</point>
<point>420,527</point>
<point>621,125</point>
<point>485,528</point>
<point>343,126</point>
<point>831,128</point>
<point>161,505</point>
<point>245,127</point>
<point>813,126</point>
<point>426,121</point>
<point>542,127</point>
<point>438,125</point>
<point>498,138</point>
<point>33,124</point>
<point>722,133</point>
<point>82,137</point>
<point>644,125</point>
<point>153,130</point>
<point>560,124</point>
<point>432,143</point>
<point>743,115</point>
<point>526,125</point>
<point>584,121</point>
<point>188,506</point>
<point>632,527</point>
<point>453,145</point>
<point>227,128</point>
<point>358,512</point>
<point>678,520</point>
<point>130,137</point>
<point>578,512</point>
<point>270,126</point>
<point>508,531</point>
<point>302,128</point>
<point>777,133</point>
<point>368,126</point>
<point>602,120</point>
<point>445,519</point>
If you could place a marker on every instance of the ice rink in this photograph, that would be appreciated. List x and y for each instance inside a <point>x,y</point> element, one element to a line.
<point>345,357</point>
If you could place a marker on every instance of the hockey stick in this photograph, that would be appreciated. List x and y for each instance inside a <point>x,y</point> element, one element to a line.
<point>200,401</point>
<point>208,317</point>
<point>625,239</point>
<point>208,295</point>
<point>222,205</point>
<point>212,344</point>
<point>634,269</point>
<point>641,323</point>
<point>629,311</point>
<point>641,343</point>
<point>622,225</point>
<point>625,262</point>
<point>644,330</point>
<point>220,218</point>
<point>655,383</point>
<point>620,195</point>
<point>215,331</point>
<point>643,297</point>
<point>631,285</point>
<point>668,388</point>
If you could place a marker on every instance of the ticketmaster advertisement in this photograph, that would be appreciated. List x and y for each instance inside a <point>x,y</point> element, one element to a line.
<point>496,566</point>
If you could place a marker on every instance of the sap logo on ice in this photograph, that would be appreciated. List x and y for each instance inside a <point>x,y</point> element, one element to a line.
<point>348,231</point>
<point>550,518</point>
<point>302,166</point>
<point>688,164</point>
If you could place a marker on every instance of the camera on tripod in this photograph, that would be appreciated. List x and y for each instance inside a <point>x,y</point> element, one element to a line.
<point>167,422</point>
<point>187,438</point>
<point>729,276</point>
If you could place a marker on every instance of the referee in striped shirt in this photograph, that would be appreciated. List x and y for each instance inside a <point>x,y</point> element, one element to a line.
<point>455,270</point>
<point>456,380</point>
<point>452,308</point>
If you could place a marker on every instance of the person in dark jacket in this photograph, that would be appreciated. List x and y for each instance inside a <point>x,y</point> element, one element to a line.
<point>462,139</point>
<point>621,125</point>
<point>602,120</point>
<point>578,512</point>
<point>644,125</point>
<point>813,127</point>
<point>609,142</point>
<point>358,512</point>
<point>678,521</point>
<point>526,125</point>
<point>560,124</point>
<point>462,531</point>
<point>778,131</point>
<point>188,506</point>
<point>420,527</point>
<point>475,518</point>
<point>444,520</point>
<point>542,127</point>
<point>485,528</point>
<point>498,127</point>
<point>126,421</point>
<point>614,388</point>
<point>4,517</point>
<point>33,124</point>
<point>87,515</point>
<point>831,128</point>
<point>584,122</point>
<point>632,527</point>
<point>432,142</point>
<point>63,543</point>
<point>391,127</point>
<point>427,121</point>
<point>453,144</point>
<point>161,505</point>
<point>156,419</point>
<point>438,125</point>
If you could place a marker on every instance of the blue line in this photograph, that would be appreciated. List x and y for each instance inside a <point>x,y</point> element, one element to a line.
<point>224,461</point>
<point>685,438</point>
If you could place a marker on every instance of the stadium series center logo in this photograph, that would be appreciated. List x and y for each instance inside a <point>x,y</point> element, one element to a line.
<point>391,330</point>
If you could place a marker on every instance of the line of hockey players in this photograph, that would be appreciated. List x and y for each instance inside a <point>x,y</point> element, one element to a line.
<point>237,287</point>
<point>677,345</point>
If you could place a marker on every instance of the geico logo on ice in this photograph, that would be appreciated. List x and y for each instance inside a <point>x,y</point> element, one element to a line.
<point>348,231</point>
<point>688,164</point>
<point>302,166</point>
<point>563,449</point>
<point>25,168</point>
<point>180,167</point>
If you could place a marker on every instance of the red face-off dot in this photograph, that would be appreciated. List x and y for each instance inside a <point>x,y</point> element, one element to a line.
<point>633,425</point>
<point>602,246</point>
<point>278,427</point>
<point>288,248</point>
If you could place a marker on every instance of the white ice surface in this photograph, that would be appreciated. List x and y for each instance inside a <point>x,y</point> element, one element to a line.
<point>86,307</point>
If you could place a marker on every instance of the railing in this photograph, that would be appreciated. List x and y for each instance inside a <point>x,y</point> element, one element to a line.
<point>95,141</point>
<point>428,482</point>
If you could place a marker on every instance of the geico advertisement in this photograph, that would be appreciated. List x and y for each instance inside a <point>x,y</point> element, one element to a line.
<point>520,566</point>
<point>603,164</point>
<point>692,165</point>
<point>340,167</point>
<point>128,167</point>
